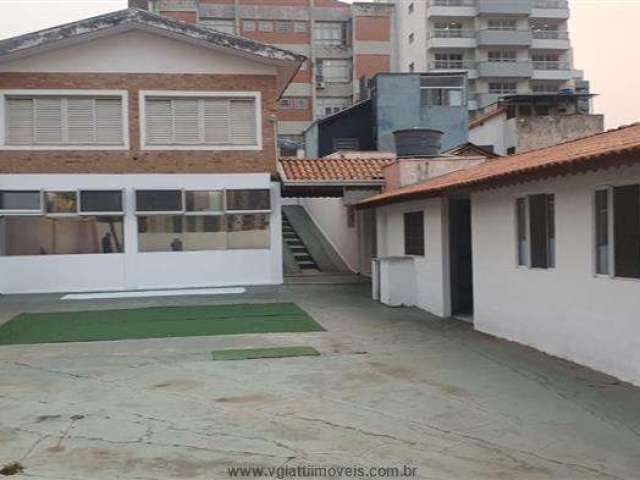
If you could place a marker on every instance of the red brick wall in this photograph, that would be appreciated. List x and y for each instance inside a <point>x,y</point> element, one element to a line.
<point>377,29</point>
<point>189,17</point>
<point>369,65</point>
<point>136,160</point>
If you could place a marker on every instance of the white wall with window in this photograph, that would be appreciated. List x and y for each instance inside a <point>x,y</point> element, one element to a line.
<point>115,232</point>
<point>326,106</point>
<point>583,304</point>
<point>334,70</point>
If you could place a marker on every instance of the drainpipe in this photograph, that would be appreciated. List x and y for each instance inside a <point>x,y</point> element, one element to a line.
<point>312,59</point>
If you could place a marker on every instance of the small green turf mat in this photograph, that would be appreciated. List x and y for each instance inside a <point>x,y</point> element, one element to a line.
<point>156,322</point>
<point>272,352</point>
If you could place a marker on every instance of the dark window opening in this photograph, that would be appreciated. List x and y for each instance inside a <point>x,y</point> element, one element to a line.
<point>542,231</point>
<point>414,233</point>
<point>626,211</point>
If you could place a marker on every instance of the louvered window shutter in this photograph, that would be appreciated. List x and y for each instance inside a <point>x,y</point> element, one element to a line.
<point>216,121</point>
<point>48,119</point>
<point>159,120</point>
<point>108,118</point>
<point>243,122</point>
<point>80,120</point>
<point>186,121</point>
<point>19,114</point>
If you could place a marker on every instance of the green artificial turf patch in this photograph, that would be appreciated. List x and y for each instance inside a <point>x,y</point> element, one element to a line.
<point>273,352</point>
<point>156,322</point>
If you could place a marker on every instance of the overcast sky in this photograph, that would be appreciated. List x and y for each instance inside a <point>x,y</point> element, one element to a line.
<point>605,36</point>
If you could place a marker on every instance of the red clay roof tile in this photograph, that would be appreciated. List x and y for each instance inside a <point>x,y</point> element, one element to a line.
<point>334,169</point>
<point>575,153</point>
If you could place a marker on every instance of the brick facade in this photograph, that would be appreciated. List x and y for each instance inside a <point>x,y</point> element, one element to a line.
<point>136,160</point>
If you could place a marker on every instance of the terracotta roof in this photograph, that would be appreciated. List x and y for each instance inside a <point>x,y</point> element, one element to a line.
<point>333,169</point>
<point>611,148</point>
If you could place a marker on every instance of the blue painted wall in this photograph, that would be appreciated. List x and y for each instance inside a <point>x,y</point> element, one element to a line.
<point>397,106</point>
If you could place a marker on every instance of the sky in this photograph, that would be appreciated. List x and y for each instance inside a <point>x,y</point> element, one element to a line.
<point>604,34</point>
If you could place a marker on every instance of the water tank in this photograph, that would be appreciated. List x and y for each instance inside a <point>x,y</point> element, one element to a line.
<point>418,142</point>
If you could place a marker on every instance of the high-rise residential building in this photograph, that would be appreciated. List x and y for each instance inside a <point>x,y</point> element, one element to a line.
<point>506,46</point>
<point>343,42</point>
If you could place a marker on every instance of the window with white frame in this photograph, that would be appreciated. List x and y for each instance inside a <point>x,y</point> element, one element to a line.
<point>199,220</point>
<point>265,26</point>
<point>617,231</point>
<point>69,222</point>
<point>300,27</point>
<point>449,60</point>
<point>293,103</point>
<point>442,90</point>
<point>208,121</point>
<point>338,70</point>
<point>502,24</point>
<point>503,88</point>
<point>329,105</point>
<point>502,56</point>
<point>64,121</point>
<point>535,231</point>
<point>330,33</point>
<point>249,25</point>
<point>284,26</point>
<point>219,25</point>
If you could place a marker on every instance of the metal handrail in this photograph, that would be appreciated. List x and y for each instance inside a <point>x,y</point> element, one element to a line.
<point>550,65</point>
<point>550,35</point>
<point>452,65</point>
<point>550,4</point>
<point>452,3</point>
<point>452,33</point>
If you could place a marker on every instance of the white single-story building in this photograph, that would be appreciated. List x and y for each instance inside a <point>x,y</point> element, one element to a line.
<point>542,248</point>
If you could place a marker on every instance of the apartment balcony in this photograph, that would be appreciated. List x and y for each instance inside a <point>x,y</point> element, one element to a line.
<point>504,8</point>
<point>550,40</point>
<point>516,38</point>
<point>550,9</point>
<point>451,8</point>
<point>552,71</point>
<point>505,69</point>
<point>455,66</point>
<point>452,38</point>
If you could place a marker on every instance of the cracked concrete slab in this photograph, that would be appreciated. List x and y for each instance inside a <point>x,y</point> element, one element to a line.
<point>392,387</point>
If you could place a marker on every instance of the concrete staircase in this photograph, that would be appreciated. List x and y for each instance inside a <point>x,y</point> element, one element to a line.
<point>305,248</point>
<point>301,256</point>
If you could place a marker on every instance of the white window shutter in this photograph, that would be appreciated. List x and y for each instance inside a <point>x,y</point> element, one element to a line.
<point>186,121</point>
<point>159,121</point>
<point>216,120</point>
<point>108,118</point>
<point>243,122</point>
<point>80,120</point>
<point>20,122</point>
<point>48,118</point>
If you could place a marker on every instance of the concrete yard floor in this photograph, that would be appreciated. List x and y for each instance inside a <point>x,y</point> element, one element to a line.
<point>393,387</point>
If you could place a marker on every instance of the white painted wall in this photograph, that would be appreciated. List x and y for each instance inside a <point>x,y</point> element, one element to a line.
<point>133,270</point>
<point>136,52</point>
<point>497,131</point>
<point>432,289</point>
<point>567,311</point>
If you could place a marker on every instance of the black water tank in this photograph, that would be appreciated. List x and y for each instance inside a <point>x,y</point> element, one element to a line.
<point>418,142</point>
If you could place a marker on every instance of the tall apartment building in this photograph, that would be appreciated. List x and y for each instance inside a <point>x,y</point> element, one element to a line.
<point>506,46</point>
<point>343,42</point>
